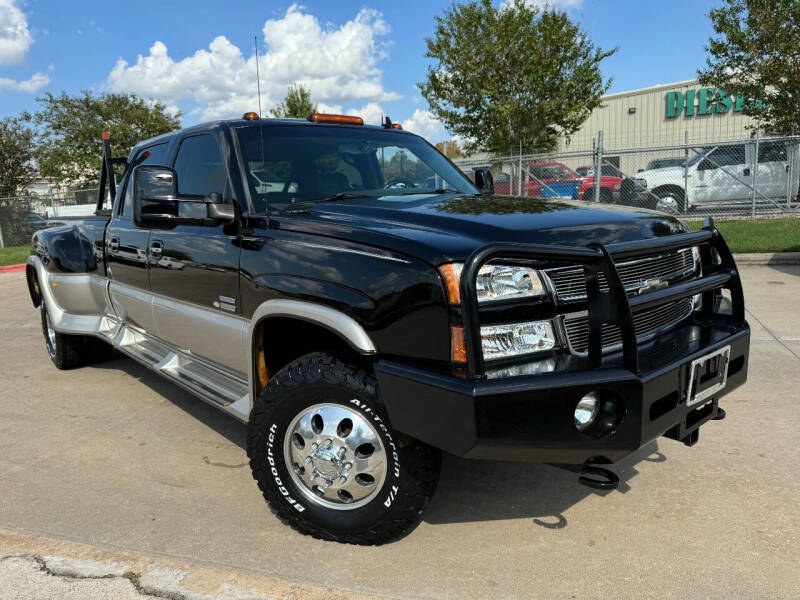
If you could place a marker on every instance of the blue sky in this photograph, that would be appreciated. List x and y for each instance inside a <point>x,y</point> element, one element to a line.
<point>355,56</point>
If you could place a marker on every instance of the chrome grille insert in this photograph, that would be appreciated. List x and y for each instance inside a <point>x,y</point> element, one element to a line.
<point>569,283</point>
<point>646,324</point>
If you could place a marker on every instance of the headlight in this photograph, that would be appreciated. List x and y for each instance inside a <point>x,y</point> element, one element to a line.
<point>516,339</point>
<point>696,256</point>
<point>495,282</point>
<point>586,411</point>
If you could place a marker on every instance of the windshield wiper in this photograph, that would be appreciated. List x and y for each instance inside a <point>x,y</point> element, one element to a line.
<point>342,196</point>
<point>430,191</point>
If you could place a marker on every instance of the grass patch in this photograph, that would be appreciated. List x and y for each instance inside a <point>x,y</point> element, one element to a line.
<point>758,235</point>
<point>14,255</point>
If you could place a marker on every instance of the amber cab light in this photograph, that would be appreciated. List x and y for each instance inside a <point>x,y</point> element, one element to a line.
<point>340,119</point>
<point>397,126</point>
<point>250,116</point>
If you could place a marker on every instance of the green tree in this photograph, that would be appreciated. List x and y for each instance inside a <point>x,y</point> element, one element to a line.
<point>511,75</point>
<point>69,129</point>
<point>756,55</point>
<point>16,156</point>
<point>450,149</point>
<point>297,103</point>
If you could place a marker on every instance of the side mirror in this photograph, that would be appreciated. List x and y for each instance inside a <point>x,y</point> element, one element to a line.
<point>156,201</point>
<point>484,180</point>
<point>706,165</point>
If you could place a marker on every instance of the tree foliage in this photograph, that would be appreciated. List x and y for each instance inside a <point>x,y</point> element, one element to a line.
<point>450,149</point>
<point>16,157</point>
<point>297,103</point>
<point>756,54</point>
<point>69,130</point>
<point>510,75</point>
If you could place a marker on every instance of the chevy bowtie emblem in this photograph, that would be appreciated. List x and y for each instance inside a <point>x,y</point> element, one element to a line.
<point>651,285</point>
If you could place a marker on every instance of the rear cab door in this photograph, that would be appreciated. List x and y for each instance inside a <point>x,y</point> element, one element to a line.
<point>126,250</point>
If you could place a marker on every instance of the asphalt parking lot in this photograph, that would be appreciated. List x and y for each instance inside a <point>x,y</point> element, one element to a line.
<point>119,460</point>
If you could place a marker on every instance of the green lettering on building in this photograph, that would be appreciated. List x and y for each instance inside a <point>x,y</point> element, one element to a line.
<point>709,101</point>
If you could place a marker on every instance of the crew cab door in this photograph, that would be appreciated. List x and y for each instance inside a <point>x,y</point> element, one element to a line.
<point>126,252</point>
<point>723,175</point>
<point>194,269</point>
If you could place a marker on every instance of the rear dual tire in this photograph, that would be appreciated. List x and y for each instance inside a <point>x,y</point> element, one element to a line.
<point>72,351</point>
<point>313,419</point>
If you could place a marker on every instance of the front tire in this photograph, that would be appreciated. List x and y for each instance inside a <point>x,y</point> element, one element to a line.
<point>327,460</point>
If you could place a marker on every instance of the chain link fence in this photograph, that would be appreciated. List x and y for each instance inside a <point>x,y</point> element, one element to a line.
<point>753,177</point>
<point>20,216</point>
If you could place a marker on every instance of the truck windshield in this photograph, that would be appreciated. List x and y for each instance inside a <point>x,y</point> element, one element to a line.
<point>699,156</point>
<point>298,164</point>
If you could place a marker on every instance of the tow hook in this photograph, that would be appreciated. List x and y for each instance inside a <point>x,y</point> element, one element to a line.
<point>609,481</point>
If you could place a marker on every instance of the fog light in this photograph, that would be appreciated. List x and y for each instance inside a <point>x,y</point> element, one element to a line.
<point>586,411</point>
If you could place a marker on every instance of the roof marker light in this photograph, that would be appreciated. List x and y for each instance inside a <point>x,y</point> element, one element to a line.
<point>339,119</point>
<point>250,116</point>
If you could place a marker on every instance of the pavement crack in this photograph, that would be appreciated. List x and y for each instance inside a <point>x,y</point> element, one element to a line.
<point>208,461</point>
<point>772,333</point>
<point>134,578</point>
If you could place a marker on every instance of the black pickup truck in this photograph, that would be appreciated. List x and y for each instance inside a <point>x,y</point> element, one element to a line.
<point>362,305</point>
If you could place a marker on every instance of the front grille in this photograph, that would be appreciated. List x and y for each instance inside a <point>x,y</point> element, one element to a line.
<point>646,324</point>
<point>569,283</point>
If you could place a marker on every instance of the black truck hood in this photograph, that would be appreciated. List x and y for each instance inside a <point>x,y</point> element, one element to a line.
<point>442,229</point>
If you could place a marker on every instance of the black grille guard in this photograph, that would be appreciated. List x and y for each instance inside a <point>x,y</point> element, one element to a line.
<point>614,306</point>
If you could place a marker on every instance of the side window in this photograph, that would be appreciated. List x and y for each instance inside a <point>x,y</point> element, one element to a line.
<point>157,155</point>
<point>199,166</point>
<point>775,152</point>
<point>725,156</point>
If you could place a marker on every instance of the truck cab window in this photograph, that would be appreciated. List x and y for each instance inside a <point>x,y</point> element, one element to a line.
<point>199,166</point>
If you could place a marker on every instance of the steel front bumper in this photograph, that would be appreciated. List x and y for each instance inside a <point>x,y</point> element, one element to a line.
<point>530,417</point>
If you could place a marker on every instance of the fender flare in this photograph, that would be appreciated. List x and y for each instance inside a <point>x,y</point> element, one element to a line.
<point>334,320</point>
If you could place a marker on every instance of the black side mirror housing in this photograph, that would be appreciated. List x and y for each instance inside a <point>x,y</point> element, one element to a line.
<point>156,201</point>
<point>484,180</point>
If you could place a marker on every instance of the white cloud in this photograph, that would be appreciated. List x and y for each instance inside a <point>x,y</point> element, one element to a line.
<point>372,113</point>
<point>34,84</point>
<point>424,123</point>
<point>559,4</point>
<point>15,39</point>
<point>339,65</point>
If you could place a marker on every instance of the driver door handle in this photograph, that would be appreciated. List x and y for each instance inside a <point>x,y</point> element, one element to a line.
<point>746,172</point>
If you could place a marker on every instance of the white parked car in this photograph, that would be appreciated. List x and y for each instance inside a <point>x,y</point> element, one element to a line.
<point>725,174</point>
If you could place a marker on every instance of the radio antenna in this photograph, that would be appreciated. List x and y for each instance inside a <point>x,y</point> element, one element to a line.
<point>258,74</point>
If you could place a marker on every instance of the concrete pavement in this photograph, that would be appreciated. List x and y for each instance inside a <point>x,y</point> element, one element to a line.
<point>114,457</point>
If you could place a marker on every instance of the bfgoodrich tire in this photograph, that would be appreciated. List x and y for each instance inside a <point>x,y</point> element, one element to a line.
<point>327,460</point>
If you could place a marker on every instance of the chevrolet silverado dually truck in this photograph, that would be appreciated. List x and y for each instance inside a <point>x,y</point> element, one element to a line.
<point>306,278</point>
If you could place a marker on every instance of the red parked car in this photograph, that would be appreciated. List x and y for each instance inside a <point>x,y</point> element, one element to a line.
<point>550,179</point>
<point>610,183</point>
<point>546,180</point>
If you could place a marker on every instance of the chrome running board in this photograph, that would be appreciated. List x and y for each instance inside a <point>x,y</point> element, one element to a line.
<point>218,386</point>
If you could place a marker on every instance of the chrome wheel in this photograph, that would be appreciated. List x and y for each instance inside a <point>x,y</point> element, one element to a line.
<point>667,204</point>
<point>335,456</point>
<point>50,342</point>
